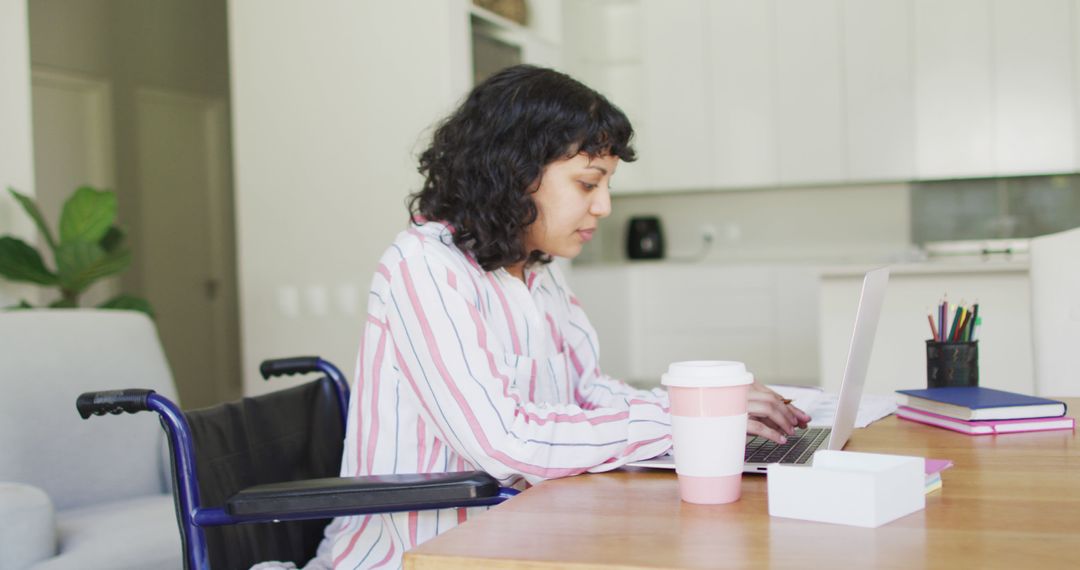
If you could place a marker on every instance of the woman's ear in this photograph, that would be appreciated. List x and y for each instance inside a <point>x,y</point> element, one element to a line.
<point>534,186</point>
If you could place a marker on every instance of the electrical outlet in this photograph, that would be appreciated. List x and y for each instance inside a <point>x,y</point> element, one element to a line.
<point>732,233</point>
<point>708,232</point>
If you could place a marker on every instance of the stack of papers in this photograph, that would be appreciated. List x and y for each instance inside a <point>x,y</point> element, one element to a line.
<point>822,406</point>
<point>934,467</point>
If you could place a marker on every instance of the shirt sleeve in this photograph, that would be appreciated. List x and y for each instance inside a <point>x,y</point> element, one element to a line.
<point>454,366</point>
<point>594,388</point>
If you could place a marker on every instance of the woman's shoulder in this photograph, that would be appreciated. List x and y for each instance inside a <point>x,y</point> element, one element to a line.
<point>427,241</point>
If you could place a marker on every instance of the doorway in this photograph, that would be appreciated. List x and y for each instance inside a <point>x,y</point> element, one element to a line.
<point>133,95</point>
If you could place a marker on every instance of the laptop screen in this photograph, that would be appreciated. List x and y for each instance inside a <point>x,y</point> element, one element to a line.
<point>858,360</point>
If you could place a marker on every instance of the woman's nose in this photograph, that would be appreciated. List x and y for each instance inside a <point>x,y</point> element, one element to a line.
<point>601,204</point>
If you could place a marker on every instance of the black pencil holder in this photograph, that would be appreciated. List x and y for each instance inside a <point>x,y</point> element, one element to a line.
<point>952,364</point>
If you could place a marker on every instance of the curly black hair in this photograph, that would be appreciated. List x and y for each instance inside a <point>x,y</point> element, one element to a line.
<point>486,159</point>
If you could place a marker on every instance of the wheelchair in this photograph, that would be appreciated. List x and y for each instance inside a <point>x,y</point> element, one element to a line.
<point>258,479</point>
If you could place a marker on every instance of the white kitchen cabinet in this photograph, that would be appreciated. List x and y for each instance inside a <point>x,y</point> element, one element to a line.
<point>699,313</point>
<point>649,315</point>
<point>1034,125</point>
<point>748,94</point>
<point>602,48</point>
<point>741,59</point>
<point>675,130</point>
<point>954,95</point>
<point>809,99</point>
<point>898,361</point>
<point>878,90</point>
<point>995,92</point>
<point>1075,51</point>
<point>623,88</point>
<point>744,94</point>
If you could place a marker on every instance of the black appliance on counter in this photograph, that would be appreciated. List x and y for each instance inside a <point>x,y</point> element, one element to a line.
<point>644,238</point>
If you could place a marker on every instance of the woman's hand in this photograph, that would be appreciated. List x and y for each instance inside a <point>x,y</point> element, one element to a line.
<point>770,417</point>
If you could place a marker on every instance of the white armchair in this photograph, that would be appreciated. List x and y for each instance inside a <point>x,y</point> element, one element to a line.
<point>76,494</point>
<point>1055,312</point>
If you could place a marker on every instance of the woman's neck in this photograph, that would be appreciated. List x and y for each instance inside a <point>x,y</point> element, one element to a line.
<point>517,270</point>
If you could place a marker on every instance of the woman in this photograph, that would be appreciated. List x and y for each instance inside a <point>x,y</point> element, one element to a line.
<point>475,354</point>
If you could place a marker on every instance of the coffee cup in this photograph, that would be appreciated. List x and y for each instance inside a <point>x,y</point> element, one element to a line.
<point>708,427</point>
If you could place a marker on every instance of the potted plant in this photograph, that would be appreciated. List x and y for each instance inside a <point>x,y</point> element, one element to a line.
<point>90,247</point>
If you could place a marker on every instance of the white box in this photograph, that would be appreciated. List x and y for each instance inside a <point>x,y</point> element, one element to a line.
<point>843,487</point>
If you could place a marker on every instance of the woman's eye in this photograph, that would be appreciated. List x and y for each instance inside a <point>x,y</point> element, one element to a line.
<point>587,185</point>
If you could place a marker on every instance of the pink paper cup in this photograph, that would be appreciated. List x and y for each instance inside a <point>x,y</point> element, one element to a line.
<point>708,425</point>
<point>710,490</point>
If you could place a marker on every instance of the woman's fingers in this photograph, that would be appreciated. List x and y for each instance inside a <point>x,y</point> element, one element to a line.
<point>755,427</point>
<point>770,415</point>
<point>763,392</point>
<point>804,418</point>
<point>770,404</point>
<point>775,412</point>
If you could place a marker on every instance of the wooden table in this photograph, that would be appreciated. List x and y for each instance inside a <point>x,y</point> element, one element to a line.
<point>1010,501</point>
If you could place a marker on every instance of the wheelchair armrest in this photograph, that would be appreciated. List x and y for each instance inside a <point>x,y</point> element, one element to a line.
<point>335,496</point>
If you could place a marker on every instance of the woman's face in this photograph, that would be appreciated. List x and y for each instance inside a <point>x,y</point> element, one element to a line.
<point>574,194</point>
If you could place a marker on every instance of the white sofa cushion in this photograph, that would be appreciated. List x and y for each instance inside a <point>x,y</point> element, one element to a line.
<point>27,526</point>
<point>135,534</point>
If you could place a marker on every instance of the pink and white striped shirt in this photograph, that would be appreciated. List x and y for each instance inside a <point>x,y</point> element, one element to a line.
<point>462,369</point>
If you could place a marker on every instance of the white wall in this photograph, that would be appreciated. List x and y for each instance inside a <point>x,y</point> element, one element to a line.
<point>132,45</point>
<point>827,224</point>
<point>16,146</point>
<point>330,106</point>
<point>175,53</point>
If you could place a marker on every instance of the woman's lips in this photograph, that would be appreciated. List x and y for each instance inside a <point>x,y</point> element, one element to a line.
<point>586,235</point>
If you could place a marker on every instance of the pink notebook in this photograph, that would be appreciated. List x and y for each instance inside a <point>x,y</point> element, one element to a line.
<point>935,466</point>
<point>985,427</point>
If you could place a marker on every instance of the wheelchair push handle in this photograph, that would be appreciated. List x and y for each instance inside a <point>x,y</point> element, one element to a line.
<point>132,400</point>
<point>290,366</point>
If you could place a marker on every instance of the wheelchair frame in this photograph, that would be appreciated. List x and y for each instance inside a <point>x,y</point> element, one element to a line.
<point>193,517</point>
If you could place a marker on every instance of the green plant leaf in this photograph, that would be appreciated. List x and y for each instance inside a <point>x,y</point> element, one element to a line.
<point>74,261</point>
<point>87,215</point>
<point>80,263</point>
<point>31,208</point>
<point>129,303</point>
<point>23,305</point>
<point>112,240</point>
<point>20,262</point>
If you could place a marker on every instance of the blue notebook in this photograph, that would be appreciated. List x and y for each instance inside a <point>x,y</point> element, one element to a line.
<point>977,403</point>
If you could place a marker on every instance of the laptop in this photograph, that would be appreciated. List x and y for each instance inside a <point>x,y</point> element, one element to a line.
<point>800,448</point>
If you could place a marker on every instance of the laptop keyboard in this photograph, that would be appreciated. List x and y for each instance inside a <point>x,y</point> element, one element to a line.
<point>798,449</point>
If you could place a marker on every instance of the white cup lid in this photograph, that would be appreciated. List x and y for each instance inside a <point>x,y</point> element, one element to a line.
<point>706,374</point>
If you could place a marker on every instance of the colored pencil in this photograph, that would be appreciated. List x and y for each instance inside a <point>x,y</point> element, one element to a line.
<point>955,321</point>
<point>943,322</point>
<point>974,321</point>
<point>961,332</point>
<point>964,314</point>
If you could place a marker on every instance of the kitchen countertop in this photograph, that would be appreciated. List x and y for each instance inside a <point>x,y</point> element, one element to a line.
<point>1019,263</point>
